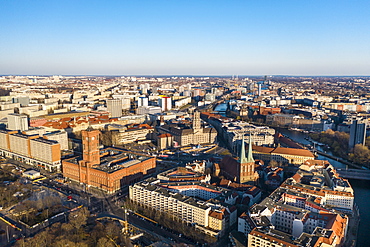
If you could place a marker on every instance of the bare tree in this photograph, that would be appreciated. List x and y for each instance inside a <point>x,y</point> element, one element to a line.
<point>78,218</point>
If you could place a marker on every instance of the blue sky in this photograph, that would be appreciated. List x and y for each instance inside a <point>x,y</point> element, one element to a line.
<point>198,37</point>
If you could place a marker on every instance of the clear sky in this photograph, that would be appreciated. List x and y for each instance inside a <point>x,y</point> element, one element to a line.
<point>174,37</point>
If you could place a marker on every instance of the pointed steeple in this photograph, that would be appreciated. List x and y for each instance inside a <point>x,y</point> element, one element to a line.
<point>242,158</point>
<point>250,154</point>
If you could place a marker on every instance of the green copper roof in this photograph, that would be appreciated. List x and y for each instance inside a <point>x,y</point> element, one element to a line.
<point>250,154</point>
<point>242,158</point>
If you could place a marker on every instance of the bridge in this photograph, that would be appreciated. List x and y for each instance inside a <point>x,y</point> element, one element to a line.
<point>337,159</point>
<point>359,174</point>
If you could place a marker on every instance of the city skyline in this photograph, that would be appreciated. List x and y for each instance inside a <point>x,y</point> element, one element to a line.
<point>194,38</point>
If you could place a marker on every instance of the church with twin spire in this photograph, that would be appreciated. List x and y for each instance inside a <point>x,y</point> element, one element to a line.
<point>240,170</point>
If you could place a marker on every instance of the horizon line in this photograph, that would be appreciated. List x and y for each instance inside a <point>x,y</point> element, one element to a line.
<point>179,75</point>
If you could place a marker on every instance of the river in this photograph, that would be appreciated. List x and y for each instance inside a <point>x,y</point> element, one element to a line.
<point>221,109</point>
<point>361,188</point>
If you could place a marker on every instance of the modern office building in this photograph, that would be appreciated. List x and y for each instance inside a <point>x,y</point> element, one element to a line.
<point>126,103</point>
<point>145,110</point>
<point>357,133</point>
<point>114,107</point>
<point>17,122</point>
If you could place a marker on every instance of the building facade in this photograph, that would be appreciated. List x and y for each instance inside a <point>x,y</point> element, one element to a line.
<point>189,134</point>
<point>114,107</point>
<point>284,155</point>
<point>33,150</point>
<point>180,202</point>
<point>17,122</point>
<point>357,133</point>
<point>165,103</point>
<point>107,169</point>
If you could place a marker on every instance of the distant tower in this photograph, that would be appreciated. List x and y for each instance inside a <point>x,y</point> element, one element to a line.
<point>246,168</point>
<point>90,141</point>
<point>196,120</point>
<point>357,133</point>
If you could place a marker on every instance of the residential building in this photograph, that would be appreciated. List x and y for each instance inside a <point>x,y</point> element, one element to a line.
<point>165,103</point>
<point>32,150</point>
<point>302,212</point>
<point>143,101</point>
<point>17,122</point>
<point>114,107</point>
<point>181,200</point>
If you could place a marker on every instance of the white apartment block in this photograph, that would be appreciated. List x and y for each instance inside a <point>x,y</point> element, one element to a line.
<point>145,110</point>
<point>60,136</point>
<point>114,107</point>
<point>179,202</point>
<point>17,122</point>
<point>165,103</point>
<point>142,101</point>
<point>31,150</point>
<point>183,207</point>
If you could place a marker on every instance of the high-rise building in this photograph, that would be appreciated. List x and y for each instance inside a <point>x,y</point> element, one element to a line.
<point>114,107</point>
<point>144,88</point>
<point>165,103</point>
<point>17,122</point>
<point>259,89</point>
<point>357,133</point>
<point>126,103</point>
<point>142,101</point>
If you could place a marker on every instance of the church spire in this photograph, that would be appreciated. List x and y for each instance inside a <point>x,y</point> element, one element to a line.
<point>242,158</point>
<point>250,155</point>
